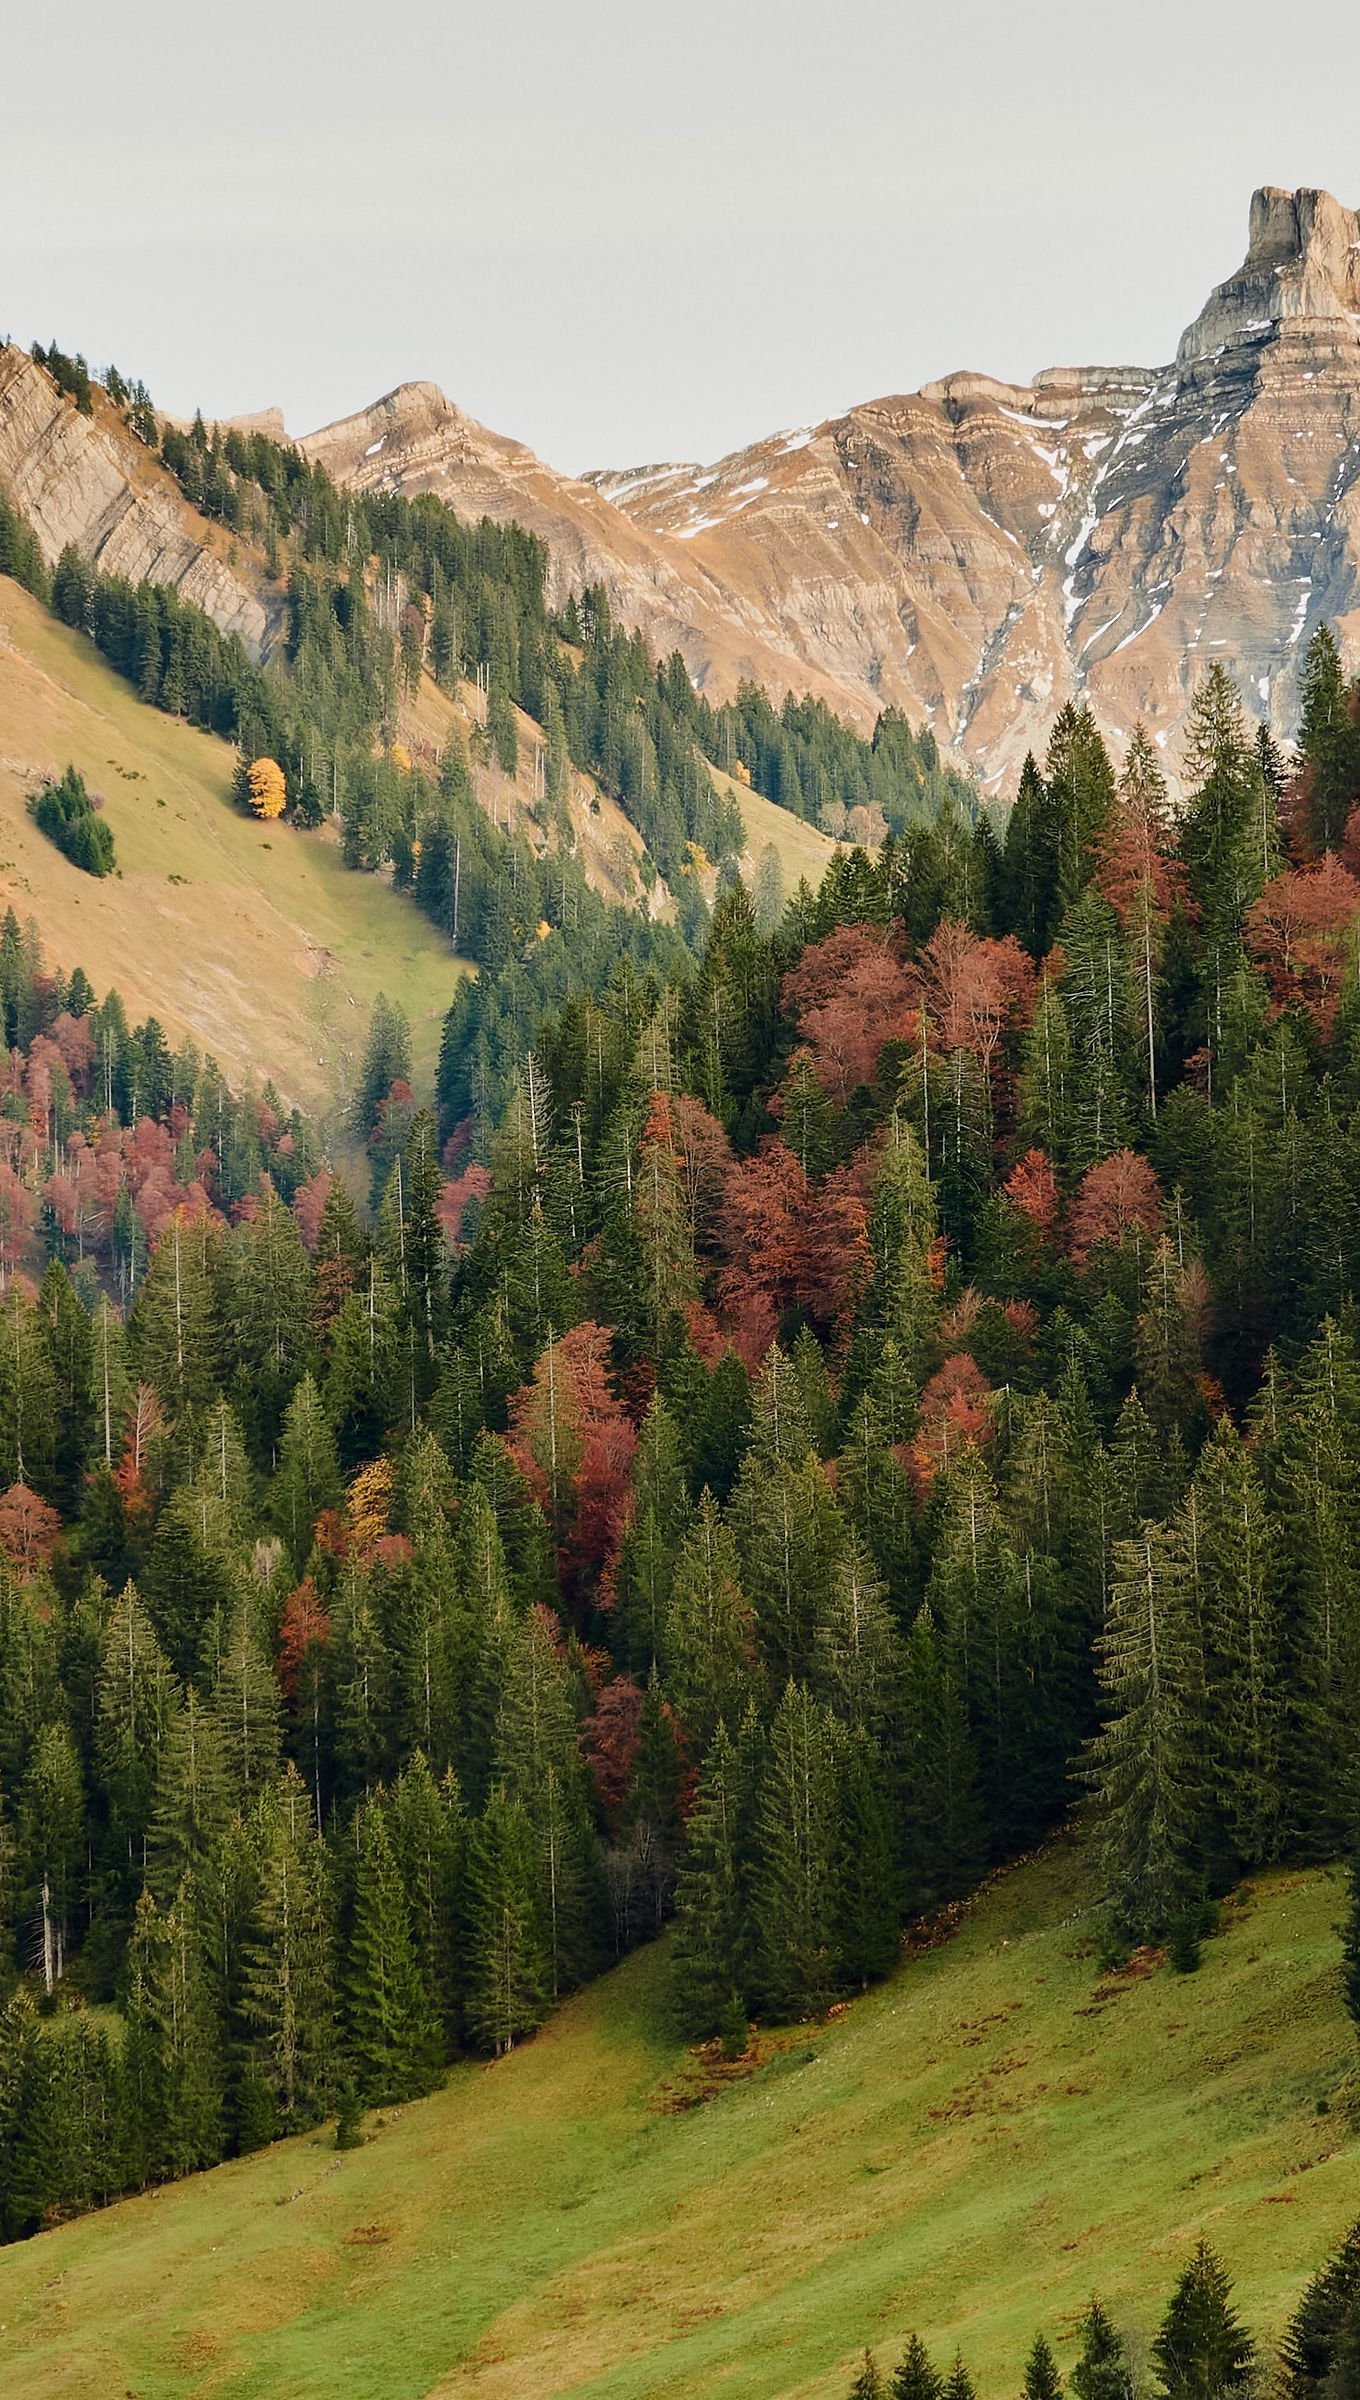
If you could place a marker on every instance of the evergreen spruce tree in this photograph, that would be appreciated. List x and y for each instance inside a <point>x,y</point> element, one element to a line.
<point>868,2384</point>
<point>796,1881</point>
<point>51,1847</point>
<point>246,1709</point>
<point>916,2377</point>
<point>288,1971</point>
<point>509,1963</point>
<point>709,1627</point>
<point>715,1936</point>
<point>174,2040</point>
<point>428,1833</point>
<point>1147,1765</point>
<point>944,1839</point>
<point>1244,1644</point>
<point>1202,2351</point>
<point>959,2383</point>
<point>1042,2380</point>
<point>538,1761</point>
<point>1320,2353</point>
<point>1102,2371</point>
<point>1329,743</point>
<point>191,1802</point>
<point>308,1478</point>
<point>391,2038</point>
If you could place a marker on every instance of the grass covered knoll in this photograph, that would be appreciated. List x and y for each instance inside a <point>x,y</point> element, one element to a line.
<point>970,2151</point>
<point>252,939</point>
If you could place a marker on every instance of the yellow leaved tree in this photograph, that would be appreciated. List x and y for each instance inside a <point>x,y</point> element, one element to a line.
<point>265,788</point>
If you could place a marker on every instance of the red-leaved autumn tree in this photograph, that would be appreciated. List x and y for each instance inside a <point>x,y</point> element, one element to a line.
<point>1118,1196</point>
<point>850,994</point>
<point>1302,931</point>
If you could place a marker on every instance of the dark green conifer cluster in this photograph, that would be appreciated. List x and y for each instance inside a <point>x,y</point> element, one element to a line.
<point>64,811</point>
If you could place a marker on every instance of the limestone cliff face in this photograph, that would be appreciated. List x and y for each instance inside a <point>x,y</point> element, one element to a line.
<point>977,552</point>
<point>89,481</point>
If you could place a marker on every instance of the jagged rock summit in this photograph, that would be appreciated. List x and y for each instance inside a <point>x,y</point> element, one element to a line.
<point>977,552</point>
<point>1302,268</point>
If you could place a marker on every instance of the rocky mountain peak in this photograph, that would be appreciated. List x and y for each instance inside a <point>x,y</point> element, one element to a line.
<point>1302,263</point>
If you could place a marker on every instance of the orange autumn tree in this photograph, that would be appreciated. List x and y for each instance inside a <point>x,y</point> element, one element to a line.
<point>266,790</point>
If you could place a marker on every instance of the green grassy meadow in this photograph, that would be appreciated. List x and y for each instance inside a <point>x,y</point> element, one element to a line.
<point>971,2150</point>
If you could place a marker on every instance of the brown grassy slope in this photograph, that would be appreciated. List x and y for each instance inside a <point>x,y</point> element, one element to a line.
<point>253,940</point>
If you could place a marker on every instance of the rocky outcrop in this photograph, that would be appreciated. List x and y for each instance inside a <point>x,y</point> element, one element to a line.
<point>977,552</point>
<point>1302,262</point>
<point>89,481</point>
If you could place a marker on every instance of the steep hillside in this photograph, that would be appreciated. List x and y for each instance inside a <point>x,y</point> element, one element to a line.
<point>978,552</point>
<point>415,440</point>
<point>605,841</point>
<point>90,481</point>
<point>970,2151</point>
<point>254,940</point>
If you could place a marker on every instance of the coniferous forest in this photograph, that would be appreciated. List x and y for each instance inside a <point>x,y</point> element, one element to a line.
<point>880,1388</point>
<point>828,1397</point>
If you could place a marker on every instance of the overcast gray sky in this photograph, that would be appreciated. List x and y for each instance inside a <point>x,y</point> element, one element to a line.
<point>625,230</point>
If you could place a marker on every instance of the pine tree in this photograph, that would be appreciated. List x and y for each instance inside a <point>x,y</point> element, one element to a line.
<point>391,2037</point>
<point>538,1761</point>
<point>868,1881</point>
<point>1328,742</point>
<point>709,1628</point>
<point>796,1883</point>
<point>51,1840</point>
<point>426,1825</point>
<point>246,1709</point>
<point>308,1478</point>
<point>868,2384</point>
<point>387,1060</point>
<point>944,1843</point>
<point>27,2161</point>
<point>174,2042</point>
<point>133,1699</point>
<point>288,1983</point>
<point>858,1649</point>
<point>1202,2351</point>
<point>509,1957</point>
<point>959,2383</point>
<point>1147,1763</point>
<point>1320,2353</point>
<point>715,1937</point>
<point>174,1328</point>
<point>1246,1668</point>
<point>1042,2380</point>
<point>916,2377</point>
<point>191,1806</point>
<point>1102,2371</point>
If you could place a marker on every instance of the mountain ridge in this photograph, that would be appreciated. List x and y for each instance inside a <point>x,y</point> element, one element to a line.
<point>978,552</point>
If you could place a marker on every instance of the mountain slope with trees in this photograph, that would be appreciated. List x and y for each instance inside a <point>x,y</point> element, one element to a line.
<point>969,2152</point>
<point>270,957</point>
